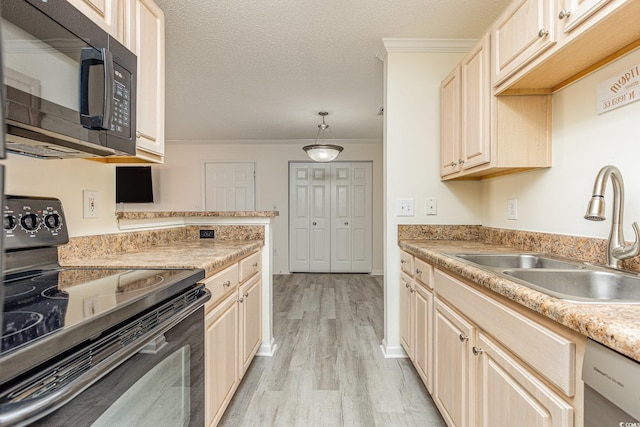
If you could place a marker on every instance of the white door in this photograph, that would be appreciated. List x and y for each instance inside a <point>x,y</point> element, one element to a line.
<point>351,218</point>
<point>309,217</point>
<point>330,220</point>
<point>230,186</point>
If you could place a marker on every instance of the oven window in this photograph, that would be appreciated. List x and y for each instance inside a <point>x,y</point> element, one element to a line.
<point>160,397</point>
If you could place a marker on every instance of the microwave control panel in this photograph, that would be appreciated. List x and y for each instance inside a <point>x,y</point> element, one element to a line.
<point>121,121</point>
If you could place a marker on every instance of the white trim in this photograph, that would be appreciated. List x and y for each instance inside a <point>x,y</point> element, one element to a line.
<point>377,273</point>
<point>267,349</point>
<point>393,352</point>
<point>406,45</point>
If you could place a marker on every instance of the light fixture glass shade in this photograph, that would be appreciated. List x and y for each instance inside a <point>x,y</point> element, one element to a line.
<point>319,152</point>
<point>322,152</point>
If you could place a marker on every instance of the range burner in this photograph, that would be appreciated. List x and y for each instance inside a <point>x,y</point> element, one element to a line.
<point>54,292</point>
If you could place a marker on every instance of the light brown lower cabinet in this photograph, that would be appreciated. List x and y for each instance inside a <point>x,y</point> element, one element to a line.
<point>486,361</point>
<point>233,332</point>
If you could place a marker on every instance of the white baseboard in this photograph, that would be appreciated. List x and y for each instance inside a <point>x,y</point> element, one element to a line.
<point>267,349</point>
<point>396,352</point>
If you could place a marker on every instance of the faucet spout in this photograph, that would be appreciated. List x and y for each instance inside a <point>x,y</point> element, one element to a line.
<point>617,249</point>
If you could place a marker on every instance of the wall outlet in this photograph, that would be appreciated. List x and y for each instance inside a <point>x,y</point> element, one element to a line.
<point>207,234</point>
<point>432,206</point>
<point>91,204</point>
<point>512,209</point>
<point>404,207</point>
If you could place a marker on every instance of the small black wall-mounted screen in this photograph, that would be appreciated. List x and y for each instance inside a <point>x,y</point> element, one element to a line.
<point>133,184</point>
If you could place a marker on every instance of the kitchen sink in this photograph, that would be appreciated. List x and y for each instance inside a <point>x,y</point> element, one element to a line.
<point>568,280</point>
<point>509,260</point>
<point>582,285</point>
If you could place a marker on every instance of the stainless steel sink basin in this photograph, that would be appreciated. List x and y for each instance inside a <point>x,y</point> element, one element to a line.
<point>564,279</point>
<point>510,260</point>
<point>582,285</point>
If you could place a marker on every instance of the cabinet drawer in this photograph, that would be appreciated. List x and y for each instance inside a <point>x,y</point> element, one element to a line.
<point>406,262</point>
<point>423,272</point>
<point>550,354</point>
<point>221,284</point>
<point>250,266</point>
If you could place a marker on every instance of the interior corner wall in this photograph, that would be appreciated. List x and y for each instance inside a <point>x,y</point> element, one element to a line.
<point>554,200</point>
<point>65,180</point>
<point>412,164</point>
<point>180,183</point>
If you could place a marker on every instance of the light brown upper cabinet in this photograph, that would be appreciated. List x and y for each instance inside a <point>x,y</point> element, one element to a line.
<point>484,135</point>
<point>584,35</point>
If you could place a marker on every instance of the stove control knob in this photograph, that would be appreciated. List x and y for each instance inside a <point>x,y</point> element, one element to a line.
<point>10,222</point>
<point>52,221</point>
<point>29,222</point>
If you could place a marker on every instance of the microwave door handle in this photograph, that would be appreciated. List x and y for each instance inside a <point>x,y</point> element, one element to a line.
<point>91,57</point>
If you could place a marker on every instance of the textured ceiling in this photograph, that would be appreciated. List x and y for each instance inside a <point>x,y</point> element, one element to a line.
<point>263,69</point>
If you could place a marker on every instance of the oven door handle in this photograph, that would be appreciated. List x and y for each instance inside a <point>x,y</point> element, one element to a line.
<point>23,413</point>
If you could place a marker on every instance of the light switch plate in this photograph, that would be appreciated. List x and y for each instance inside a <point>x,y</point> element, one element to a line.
<point>91,204</point>
<point>512,209</point>
<point>432,206</point>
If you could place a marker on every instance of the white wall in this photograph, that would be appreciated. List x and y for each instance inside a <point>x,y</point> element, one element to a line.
<point>554,200</point>
<point>180,182</point>
<point>66,179</point>
<point>412,164</point>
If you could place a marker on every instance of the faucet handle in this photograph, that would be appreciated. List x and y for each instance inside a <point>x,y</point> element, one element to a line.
<point>624,252</point>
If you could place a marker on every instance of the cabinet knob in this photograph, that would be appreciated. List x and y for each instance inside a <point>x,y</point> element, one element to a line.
<point>406,285</point>
<point>564,13</point>
<point>255,264</point>
<point>227,283</point>
<point>403,261</point>
<point>477,351</point>
<point>460,161</point>
<point>543,33</point>
<point>411,290</point>
<point>418,271</point>
<point>241,300</point>
<point>453,164</point>
<point>463,338</point>
<point>246,294</point>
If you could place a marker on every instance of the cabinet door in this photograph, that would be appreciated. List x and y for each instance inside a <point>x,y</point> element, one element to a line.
<point>406,314</point>
<point>572,13</point>
<point>450,123</point>
<point>221,358</point>
<point>523,31</point>
<point>454,372</point>
<point>250,300</point>
<point>149,47</point>
<point>102,12</point>
<point>423,344</point>
<point>475,83</point>
<point>508,394</point>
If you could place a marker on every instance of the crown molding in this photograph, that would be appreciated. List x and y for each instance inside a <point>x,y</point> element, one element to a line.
<point>402,45</point>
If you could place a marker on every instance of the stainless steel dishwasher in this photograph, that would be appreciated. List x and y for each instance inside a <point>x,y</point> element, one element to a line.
<point>611,388</point>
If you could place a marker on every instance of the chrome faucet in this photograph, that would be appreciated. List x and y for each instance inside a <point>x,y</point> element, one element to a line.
<point>617,249</point>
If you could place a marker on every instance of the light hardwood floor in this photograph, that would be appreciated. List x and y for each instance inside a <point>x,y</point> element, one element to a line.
<point>329,369</point>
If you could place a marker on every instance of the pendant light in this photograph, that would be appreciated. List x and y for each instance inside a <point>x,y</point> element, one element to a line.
<point>319,152</point>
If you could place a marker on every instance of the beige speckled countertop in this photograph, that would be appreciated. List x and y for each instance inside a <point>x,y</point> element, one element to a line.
<point>615,325</point>
<point>206,254</point>
<point>195,214</point>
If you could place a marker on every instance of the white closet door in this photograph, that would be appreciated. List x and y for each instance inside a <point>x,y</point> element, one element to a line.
<point>341,204</point>
<point>309,217</point>
<point>229,186</point>
<point>361,217</point>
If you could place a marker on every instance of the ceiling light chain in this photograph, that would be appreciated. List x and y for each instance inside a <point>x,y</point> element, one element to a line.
<point>319,152</point>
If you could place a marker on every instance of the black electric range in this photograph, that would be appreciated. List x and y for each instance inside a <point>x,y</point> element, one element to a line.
<point>50,311</point>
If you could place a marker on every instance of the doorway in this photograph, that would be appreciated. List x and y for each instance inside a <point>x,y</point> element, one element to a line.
<point>230,186</point>
<point>330,217</point>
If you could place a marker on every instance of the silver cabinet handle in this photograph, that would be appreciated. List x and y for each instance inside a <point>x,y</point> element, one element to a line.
<point>477,351</point>
<point>463,338</point>
<point>564,13</point>
<point>543,33</point>
<point>227,283</point>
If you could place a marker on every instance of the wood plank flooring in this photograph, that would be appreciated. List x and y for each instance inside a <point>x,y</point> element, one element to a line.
<point>329,369</point>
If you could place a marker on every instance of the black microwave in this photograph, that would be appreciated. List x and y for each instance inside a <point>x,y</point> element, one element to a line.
<point>70,87</point>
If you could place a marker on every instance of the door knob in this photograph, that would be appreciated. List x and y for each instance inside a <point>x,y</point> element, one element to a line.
<point>313,223</point>
<point>346,223</point>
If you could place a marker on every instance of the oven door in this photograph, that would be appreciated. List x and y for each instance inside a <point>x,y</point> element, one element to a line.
<point>163,384</point>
